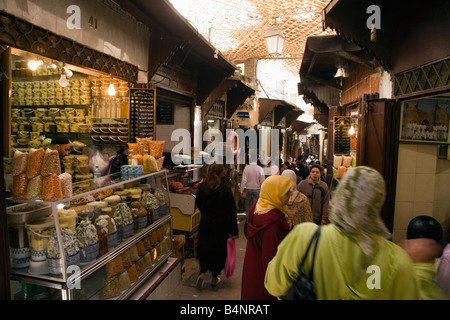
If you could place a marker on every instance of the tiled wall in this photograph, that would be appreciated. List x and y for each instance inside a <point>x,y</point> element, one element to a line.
<point>423,187</point>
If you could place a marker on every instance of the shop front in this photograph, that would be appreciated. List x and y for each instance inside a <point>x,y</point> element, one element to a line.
<point>55,85</point>
<point>408,120</point>
<point>92,84</point>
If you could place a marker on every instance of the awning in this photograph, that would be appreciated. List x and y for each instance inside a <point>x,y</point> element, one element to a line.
<point>280,108</point>
<point>293,116</point>
<point>404,25</point>
<point>322,57</point>
<point>237,92</point>
<point>171,33</point>
<point>237,95</point>
<point>298,126</point>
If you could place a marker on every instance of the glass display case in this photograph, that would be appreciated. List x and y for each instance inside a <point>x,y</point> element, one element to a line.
<point>183,186</point>
<point>102,242</point>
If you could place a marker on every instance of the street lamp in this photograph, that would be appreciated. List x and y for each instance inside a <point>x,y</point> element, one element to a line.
<point>274,40</point>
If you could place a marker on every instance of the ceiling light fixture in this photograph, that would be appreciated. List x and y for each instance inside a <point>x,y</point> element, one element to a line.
<point>274,40</point>
<point>342,72</point>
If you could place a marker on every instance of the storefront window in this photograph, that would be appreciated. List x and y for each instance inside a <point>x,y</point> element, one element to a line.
<point>49,97</point>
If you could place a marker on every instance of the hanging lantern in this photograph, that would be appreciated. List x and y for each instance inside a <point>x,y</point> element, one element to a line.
<point>274,40</point>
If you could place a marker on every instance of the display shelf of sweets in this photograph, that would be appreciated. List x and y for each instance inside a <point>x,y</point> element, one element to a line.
<point>42,107</point>
<point>99,238</point>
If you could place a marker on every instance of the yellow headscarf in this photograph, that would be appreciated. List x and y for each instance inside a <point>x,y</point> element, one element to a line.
<point>272,189</point>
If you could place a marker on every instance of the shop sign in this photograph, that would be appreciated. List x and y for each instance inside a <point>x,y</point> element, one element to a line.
<point>341,135</point>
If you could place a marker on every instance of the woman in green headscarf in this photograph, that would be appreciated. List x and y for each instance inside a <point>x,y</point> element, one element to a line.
<point>266,227</point>
<point>354,259</point>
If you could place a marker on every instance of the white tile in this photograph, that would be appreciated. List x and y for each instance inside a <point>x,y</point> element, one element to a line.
<point>403,214</point>
<point>426,158</point>
<point>442,187</point>
<point>407,158</point>
<point>424,187</point>
<point>405,187</point>
<point>423,208</point>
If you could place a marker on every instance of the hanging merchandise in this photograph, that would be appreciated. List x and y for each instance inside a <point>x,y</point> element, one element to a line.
<point>100,160</point>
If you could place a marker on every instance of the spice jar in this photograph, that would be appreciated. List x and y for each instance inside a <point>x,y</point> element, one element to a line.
<point>147,202</point>
<point>39,232</point>
<point>102,233</point>
<point>50,127</point>
<point>24,124</point>
<point>37,127</point>
<point>139,213</point>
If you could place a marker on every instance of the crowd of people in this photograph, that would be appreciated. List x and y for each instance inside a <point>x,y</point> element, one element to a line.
<point>355,257</point>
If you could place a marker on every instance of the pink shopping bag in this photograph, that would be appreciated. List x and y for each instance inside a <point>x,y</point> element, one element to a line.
<point>231,258</point>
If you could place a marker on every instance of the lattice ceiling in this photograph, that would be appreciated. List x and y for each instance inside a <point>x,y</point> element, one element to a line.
<point>237,27</point>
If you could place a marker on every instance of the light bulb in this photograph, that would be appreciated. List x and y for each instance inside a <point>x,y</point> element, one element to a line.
<point>68,72</point>
<point>111,91</point>
<point>33,64</point>
<point>351,131</point>
<point>63,82</point>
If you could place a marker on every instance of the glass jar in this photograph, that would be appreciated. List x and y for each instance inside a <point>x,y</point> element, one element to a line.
<point>139,214</point>
<point>25,126</point>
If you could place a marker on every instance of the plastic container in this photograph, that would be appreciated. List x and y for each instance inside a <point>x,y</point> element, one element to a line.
<point>89,253</point>
<point>55,265</point>
<point>67,219</point>
<point>128,231</point>
<point>38,267</point>
<point>39,232</point>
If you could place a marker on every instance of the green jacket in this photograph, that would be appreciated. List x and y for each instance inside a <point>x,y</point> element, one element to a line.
<point>428,288</point>
<point>338,274</point>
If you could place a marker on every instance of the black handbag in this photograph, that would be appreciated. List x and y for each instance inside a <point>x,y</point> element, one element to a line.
<point>303,286</point>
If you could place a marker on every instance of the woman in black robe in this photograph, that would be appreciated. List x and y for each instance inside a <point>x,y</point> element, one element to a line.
<point>218,222</point>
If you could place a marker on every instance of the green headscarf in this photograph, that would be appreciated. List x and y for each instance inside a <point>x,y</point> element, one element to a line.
<point>356,205</point>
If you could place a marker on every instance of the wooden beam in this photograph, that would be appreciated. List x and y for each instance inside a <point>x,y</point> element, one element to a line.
<point>265,106</point>
<point>355,58</point>
<point>281,111</point>
<point>237,96</point>
<point>324,82</point>
<point>216,94</point>
<point>293,116</point>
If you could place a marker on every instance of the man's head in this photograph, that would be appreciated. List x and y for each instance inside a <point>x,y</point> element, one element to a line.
<point>425,227</point>
<point>62,144</point>
<point>285,166</point>
<point>315,173</point>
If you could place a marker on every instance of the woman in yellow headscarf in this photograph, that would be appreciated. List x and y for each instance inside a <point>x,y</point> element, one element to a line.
<point>266,227</point>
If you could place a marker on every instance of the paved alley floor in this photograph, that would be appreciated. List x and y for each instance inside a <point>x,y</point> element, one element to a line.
<point>229,289</point>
